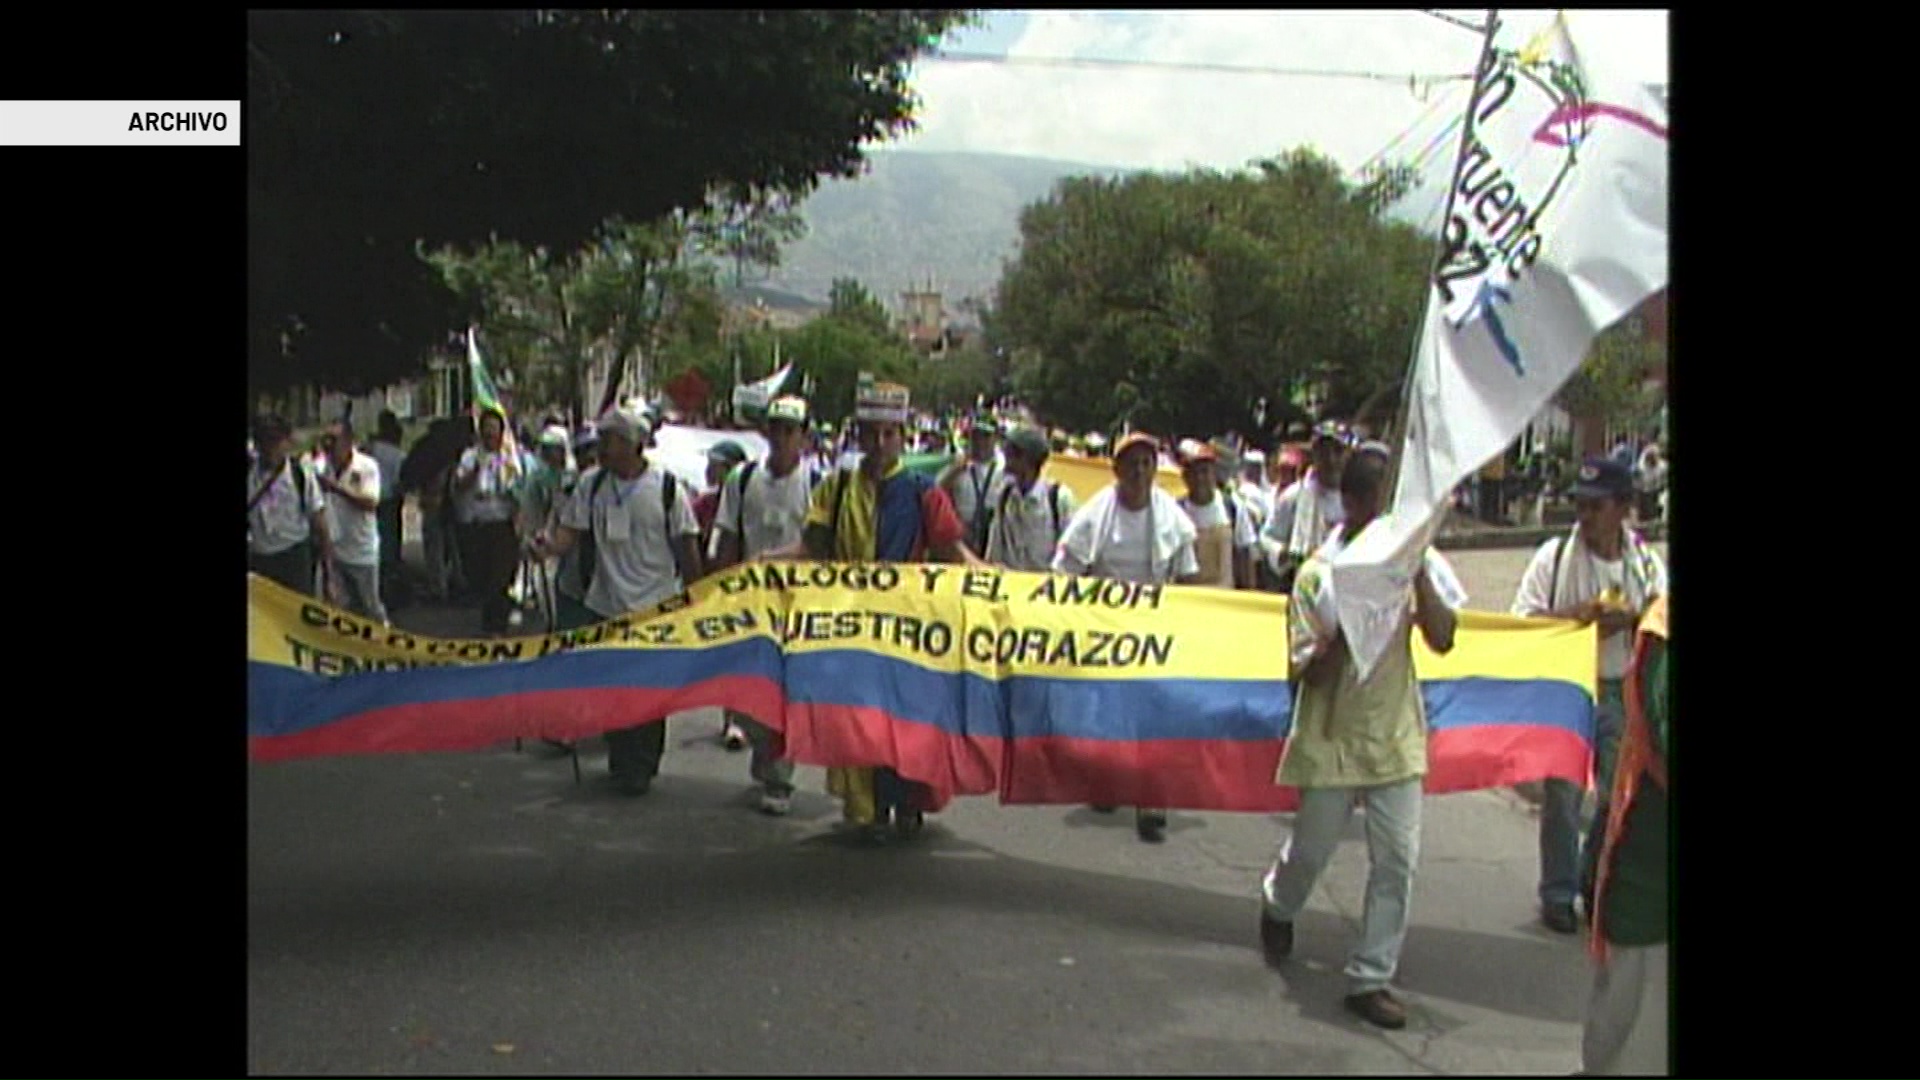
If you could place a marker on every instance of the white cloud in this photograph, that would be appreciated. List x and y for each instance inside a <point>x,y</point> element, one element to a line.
<point>1148,118</point>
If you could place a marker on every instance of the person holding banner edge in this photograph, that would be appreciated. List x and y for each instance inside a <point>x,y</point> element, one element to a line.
<point>642,547</point>
<point>763,508</point>
<point>1605,573</point>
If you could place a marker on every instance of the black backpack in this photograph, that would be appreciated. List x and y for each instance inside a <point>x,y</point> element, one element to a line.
<point>1000,511</point>
<point>300,475</point>
<point>589,544</point>
<point>745,474</point>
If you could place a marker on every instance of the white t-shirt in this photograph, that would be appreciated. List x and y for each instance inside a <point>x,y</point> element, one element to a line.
<point>1127,553</point>
<point>1278,532</point>
<point>276,522</point>
<point>1584,576</point>
<point>494,497</point>
<point>356,532</point>
<point>1313,615</point>
<point>634,566</point>
<point>1023,536</point>
<point>776,507</point>
<point>1214,516</point>
<point>977,482</point>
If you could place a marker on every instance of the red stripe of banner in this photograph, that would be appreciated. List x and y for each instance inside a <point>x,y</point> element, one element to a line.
<point>1189,774</point>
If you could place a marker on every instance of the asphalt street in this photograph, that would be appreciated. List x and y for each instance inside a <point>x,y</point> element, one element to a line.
<point>482,914</point>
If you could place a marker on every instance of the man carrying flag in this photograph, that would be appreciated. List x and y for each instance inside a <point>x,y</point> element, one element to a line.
<point>1357,741</point>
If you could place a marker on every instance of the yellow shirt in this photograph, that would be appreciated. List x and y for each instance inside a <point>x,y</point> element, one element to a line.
<point>1347,733</point>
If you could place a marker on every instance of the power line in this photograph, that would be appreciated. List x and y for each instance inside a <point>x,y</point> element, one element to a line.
<point>1380,155</point>
<point>1459,22</point>
<point>944,56</point>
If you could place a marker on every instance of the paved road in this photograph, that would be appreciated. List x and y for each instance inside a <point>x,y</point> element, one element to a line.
<point>480,913</point>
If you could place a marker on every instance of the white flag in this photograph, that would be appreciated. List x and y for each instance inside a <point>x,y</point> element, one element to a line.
<point>1558,230</point>
<point>756,395</point>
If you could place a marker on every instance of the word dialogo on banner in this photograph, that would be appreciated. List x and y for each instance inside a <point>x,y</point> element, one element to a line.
<point>1036,688</point>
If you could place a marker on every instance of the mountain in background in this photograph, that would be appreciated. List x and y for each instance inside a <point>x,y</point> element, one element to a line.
<point>951,217</point>
<point>946,216</point>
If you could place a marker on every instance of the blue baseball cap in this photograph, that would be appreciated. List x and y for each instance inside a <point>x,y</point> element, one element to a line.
<point>1603,478</point>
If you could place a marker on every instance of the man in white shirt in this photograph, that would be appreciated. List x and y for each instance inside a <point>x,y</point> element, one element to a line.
<point>1132,531</point>
<point>763,509</point>
<point>974,483</point>
<point>286,510</point>
<point>644,548</point>
<point>351,480</point>
<point>1224,536</point>
<point>1602,573</point>
<point>1305,514</point>
<point>1252,487</point>
<point>1031,513</point>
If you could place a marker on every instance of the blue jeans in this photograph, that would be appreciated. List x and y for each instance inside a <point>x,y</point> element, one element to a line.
<point>1567,864</point>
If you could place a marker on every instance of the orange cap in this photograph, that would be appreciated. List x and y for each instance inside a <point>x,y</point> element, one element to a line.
<point>1133,439</point>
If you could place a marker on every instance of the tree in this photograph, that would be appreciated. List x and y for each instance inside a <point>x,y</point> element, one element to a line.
<point>955,381</point>
<point>623,296</point>
<point>851,302</point>
<point>370,132</point>
<point>1177,302</point>
<point>834,351</point>
<point>1610,389</point>
<point>748,229</point>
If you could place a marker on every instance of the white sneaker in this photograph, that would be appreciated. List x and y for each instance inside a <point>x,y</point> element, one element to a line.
<point>775,805</point>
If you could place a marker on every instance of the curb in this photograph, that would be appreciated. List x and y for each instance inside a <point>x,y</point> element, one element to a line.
<point>1485,539</point>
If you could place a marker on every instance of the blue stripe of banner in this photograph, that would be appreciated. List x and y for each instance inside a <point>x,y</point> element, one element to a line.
<point>282,700</point>
<point>285,701</point>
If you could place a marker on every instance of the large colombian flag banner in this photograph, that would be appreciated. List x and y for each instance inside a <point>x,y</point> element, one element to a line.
<point>1036,688</point>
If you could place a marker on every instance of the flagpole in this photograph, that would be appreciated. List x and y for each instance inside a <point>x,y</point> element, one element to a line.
<point>1482,68</point>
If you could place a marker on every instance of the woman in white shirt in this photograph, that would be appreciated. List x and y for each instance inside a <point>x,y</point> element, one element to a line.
<point>486,489</point>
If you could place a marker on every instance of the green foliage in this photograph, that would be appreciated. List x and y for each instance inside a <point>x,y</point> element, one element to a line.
<point>1177,302</point>
<point>955,381</point>
<point>749,229</point>
<point>850,302</point>
<point>630,293</point>
<point>834,350</point>
<point>371,132</point>
<point>1611,385</point>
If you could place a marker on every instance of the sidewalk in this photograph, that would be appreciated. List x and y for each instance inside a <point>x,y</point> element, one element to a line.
<point>1465,534</point>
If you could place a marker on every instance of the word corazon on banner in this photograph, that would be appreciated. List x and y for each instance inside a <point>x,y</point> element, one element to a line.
<point>1040,689</point>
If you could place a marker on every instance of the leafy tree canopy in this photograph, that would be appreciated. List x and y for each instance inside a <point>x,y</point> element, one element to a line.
<point>369,132</point>
<point>1178,302</point>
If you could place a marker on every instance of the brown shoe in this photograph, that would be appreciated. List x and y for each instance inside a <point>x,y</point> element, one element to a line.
<point>1378,1008</point>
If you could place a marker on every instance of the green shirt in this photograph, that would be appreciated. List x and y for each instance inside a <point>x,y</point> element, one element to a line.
<point>1637,904</point>
<point>1347,733</point>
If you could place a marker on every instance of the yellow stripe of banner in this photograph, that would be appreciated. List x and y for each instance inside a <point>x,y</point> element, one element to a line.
<point>942,618</point>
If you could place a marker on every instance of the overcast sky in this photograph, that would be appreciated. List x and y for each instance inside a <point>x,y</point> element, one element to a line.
<point>1156,119</point>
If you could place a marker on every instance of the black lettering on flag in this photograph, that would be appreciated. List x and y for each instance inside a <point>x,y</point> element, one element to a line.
<point>1097,652</point>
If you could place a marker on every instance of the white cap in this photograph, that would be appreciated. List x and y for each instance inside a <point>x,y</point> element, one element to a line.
<point>790,409</point>
<point>627,424</point>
